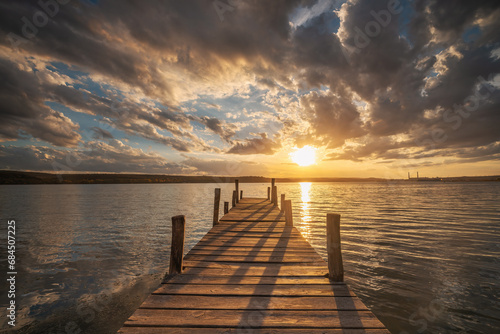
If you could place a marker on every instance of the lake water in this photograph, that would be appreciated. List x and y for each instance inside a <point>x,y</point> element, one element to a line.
<point>424,257</point>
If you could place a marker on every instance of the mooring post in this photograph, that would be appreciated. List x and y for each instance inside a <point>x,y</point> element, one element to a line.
<point>237,185</point>
<point>241,194</point>
<point>268,193</point>
<point>282,203</point>
<point>275,196</point>
<point>226,207</point>
<point>335,265</point>
<point>216,206</point>
<point>177,245</point>
<point>234,199</point>
<point>273,183</point>
<point>288,213</point>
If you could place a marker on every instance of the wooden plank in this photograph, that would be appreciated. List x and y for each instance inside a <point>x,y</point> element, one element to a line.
<point>245,266</point>
<point>257,271</point>
<point>250,251</point>
<point>243,259</point>
<point>213,330</point>
<point>318,290</point>
<point>256,242</point>
<point>207,279</point>
<point>259,234</point>
<point>242,303</point>
<point>267,318</point>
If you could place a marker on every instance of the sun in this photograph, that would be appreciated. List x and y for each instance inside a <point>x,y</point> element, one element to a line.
<point>304,156</point>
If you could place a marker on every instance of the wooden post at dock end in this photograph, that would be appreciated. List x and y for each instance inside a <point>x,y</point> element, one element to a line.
<point>288,213</point>
<point>273,182</point>
<point>216,206</point>
<point>177,246</point>
<point>282,203</point>
<point>335,265</point>
<point>237,185</point>
<point>241,194</point>
<point>268,193</point>
<point>234,199</point>
<point>226,207</point>
<point>274,197</point>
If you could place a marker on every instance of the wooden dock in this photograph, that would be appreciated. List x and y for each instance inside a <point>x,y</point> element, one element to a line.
<point>251,273</point>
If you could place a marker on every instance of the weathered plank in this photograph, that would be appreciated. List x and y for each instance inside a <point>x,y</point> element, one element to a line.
<point>246,279</point>
<point>242,302</point>
<point>251,318</point>
<point>243,259</point>
<point>213,330</point>
<point>318,290</point>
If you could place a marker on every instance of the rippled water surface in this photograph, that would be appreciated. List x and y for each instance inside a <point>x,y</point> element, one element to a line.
<point>425,257</point>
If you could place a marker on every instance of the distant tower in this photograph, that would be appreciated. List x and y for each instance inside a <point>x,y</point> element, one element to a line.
<point>417,175</point>
<point>408,175</point>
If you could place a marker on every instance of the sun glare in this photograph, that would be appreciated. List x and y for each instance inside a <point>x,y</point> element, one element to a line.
<point>304,156</point>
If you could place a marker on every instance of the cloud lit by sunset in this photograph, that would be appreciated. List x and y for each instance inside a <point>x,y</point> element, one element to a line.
<point>186,87</point>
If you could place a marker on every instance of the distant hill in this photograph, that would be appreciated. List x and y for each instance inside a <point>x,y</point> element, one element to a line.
<point>21,177</point>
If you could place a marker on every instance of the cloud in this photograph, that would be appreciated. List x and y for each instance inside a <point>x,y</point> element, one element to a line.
<point>357,79</point>
<point>100,133</point>
<point>96,156</point>
<point>23,112</point>
<point>262,145</point>
<point>225,130</point>
<point>226,167</point>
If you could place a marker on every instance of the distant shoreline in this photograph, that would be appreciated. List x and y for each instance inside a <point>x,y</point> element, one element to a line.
<point>21,177</point>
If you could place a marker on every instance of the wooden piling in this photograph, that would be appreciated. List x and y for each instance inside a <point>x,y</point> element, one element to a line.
<point>241,194</point>
<point>234,199</point>
<point>177,246</point>
<point>216,206</point>
<point>268,193</point>
<point>273,181</point>
<point>226,207</point>
<point>335,266</point>
<point>282,203</point>
<point>274,197</point>
<point>237,185</point>
<point>288,213</point>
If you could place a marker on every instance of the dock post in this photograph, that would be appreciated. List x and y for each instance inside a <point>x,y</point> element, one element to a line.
<point>226,207</point>
<point>282,203</point>
<point>273,181</point>
<point>268,193</point>
<point>177,246</point>
<point>216,206</point>
<point>237,185</point>
<point>288,213</point>
<point>274,197</point>
<point>234,199</point>
<point>335,265</point>
<point>241,194</point>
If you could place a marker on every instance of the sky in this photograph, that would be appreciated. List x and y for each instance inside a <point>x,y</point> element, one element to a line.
<point>236,87</point>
